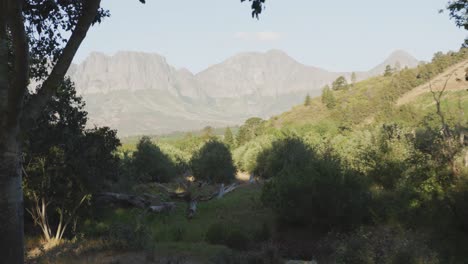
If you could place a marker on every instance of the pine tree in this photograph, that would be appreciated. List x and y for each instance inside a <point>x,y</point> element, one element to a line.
<point>388,71</point>
<point>340,84</point>
<point>229,138</point>
<point>307,100</point>
<point>328,99</point>
<point>207,133</point>
<point>353,78</point>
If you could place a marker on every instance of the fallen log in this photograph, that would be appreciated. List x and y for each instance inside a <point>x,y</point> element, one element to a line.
<point>163,208</point>
<point>123,200</point>
<point>145,201</point>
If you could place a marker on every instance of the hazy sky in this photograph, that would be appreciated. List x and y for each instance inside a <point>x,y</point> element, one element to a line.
<point>339,35</point>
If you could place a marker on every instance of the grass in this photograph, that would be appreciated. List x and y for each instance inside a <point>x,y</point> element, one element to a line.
<point>164,236</point>
<point>239,210</point>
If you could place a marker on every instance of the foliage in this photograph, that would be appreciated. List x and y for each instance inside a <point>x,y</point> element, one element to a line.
<point>328,98</point>
<point>229,138</point>
<point>306,189</point>
<point>45,23</point>
<point>246,156</point>
<point>66,162</point>
<point>386,156</point>
<point>353,78</point>
<point>383,245</point>
<point>222,235</point>
<point>340,84</point>
<point>213,163</point>
<point>180,159</point>
<point>252,128</point>
<point>207,133</point>
<point>151,164</point>
<point>388,71</point>
<point>284,154</point>
<point>458,10</point>
<point>307,100</point>
<point>257,7</point>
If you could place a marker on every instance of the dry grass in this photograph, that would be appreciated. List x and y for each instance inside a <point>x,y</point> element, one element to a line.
<point>456,82</point>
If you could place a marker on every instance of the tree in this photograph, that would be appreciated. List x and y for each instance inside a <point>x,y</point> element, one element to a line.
<point>353,78</point>
<point>306,189</point>
<point>33,45</point>
<point>257,7</point>
<point>151,164</point>
<point>307,100</point>
<point>207,132</point>
<point>213,163</point>
<point>229,138</point>
<point>328,99</point>
<point>253,127</point>
<point>388,71</point>
<point>340,84</point>
<point>65,163</point>
<point>457,11</point>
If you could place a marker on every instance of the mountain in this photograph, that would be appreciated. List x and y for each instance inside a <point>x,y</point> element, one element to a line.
<point>398,59</point>
<point>140,93</point>
<point>272,73</point>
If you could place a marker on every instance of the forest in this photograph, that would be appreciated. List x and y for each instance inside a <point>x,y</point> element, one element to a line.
<point>372,171</point>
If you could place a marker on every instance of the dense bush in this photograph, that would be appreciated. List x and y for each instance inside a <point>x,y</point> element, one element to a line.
<point>306,189</point>
<point>383,245</point>
<point>133,236</point>
<point>283,155</point>
<point>220,234</point>
<point>179,158</point>
<point>213,163</point>
<point>269,254</point>
<point>245,156</point>
<point>151,164</point>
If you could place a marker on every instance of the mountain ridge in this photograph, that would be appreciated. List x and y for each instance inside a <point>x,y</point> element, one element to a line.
<point>246,84</point>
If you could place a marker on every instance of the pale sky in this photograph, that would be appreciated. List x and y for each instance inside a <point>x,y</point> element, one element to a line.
<point>339,35</point>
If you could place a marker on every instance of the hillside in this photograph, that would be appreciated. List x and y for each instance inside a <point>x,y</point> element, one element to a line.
<point>385,98</point>
<point>141,93</point>
<point>454,76</point>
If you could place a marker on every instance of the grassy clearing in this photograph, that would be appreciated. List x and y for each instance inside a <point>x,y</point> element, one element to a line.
<point>240,210</point>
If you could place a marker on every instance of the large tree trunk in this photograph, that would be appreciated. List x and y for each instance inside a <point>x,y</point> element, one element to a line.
<point>11,200</point>
<point>11,194</point>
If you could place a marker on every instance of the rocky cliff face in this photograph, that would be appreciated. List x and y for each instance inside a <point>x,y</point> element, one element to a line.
<point>140,93</point>
<point>262,74</point>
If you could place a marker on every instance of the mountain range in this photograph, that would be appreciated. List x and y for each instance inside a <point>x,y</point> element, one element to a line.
<point>141,93</point>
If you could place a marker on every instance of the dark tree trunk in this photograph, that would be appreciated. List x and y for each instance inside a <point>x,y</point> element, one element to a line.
<point>11,200</point>
<point>11,194</point>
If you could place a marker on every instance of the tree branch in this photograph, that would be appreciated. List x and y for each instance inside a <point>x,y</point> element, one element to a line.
<point>438,98</point>
<point>50,85</point>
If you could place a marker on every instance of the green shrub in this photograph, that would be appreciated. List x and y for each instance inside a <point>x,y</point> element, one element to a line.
<point>263,233</point>
<point>238,240</point>
<point>178,233</point>
<point>267,255</point>
<point>307,190</point>
<point>283,155</point>
<point>217,234</point>
<point>179,158</point>
<point>150,164</point>
<point>383,245</point>
<point>220,234</point>
<point>245,156</point>
<point>128,236</point>
<point>213,163</point>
